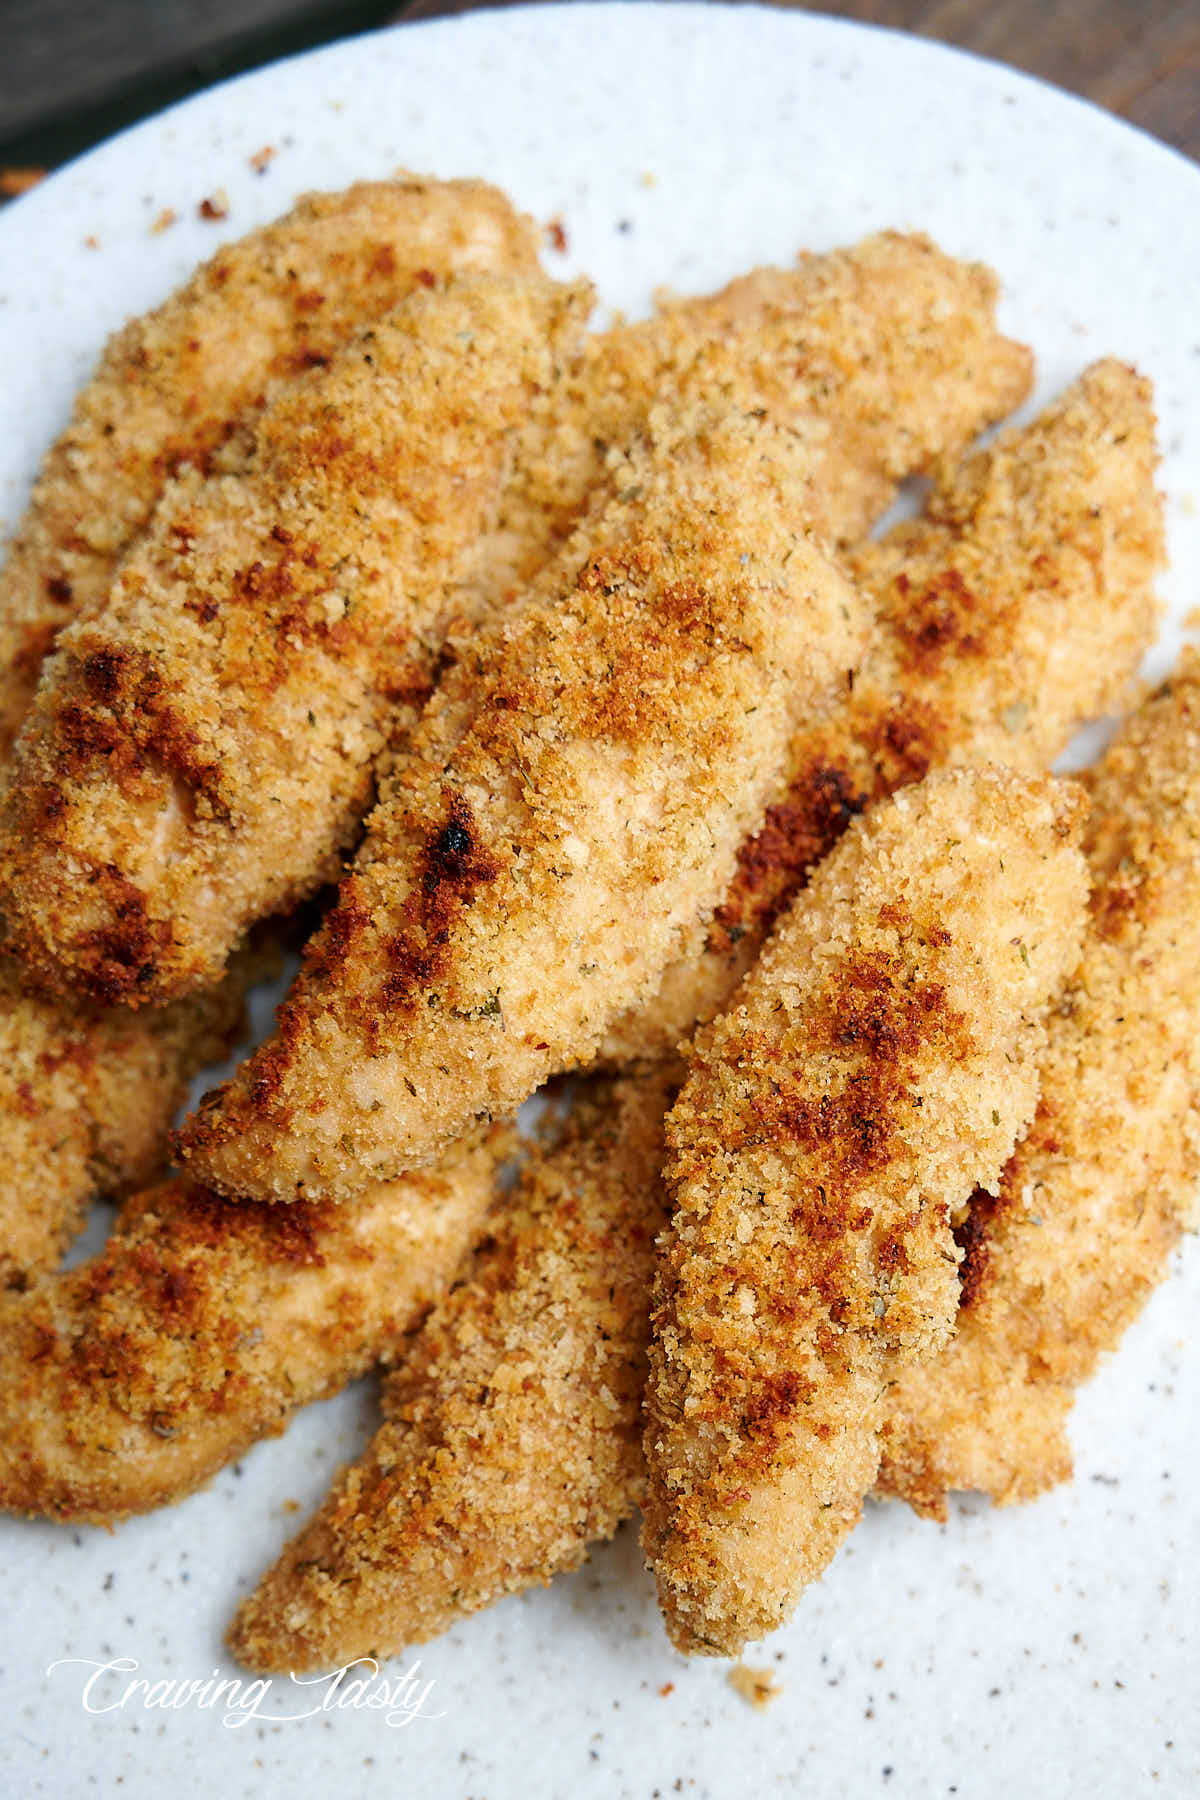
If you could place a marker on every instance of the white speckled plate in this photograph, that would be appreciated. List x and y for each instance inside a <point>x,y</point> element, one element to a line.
<point>1051,1650</point>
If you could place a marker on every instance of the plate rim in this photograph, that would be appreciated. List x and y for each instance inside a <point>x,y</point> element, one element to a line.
<point>1088,113</point>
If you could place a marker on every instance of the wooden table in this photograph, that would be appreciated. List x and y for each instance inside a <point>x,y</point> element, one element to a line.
<point>73,71</point>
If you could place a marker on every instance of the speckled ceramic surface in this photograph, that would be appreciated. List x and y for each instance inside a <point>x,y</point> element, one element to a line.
<point>1053,1650</point>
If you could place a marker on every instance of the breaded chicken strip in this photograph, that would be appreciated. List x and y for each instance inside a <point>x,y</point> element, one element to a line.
<point>172,386</point>
<point>513,1426</point>
<point>876,1067</point>
<point>200,751</point>
<point>1014,609</point>
<point>201,1326</point>
<point>1061,1261</point>
<point>87,1096</point>
<point>570,804</point>
<point>880,357</point>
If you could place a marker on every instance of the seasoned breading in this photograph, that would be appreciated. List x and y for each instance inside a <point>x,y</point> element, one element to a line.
<point>87,1096</point>
<point>1063,1259</point>
<point>571,802</point>
<point>513,1426</point>
<point>1014,609</point>
<point>172,386</point>
<point>880,358</point>
<point>130,1380</point>
<point>876,1066</point>
<point>200,751</point>
<point>91,1093</point>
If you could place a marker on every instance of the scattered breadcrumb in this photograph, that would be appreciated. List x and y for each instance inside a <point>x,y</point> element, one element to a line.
<point>757,1687</point>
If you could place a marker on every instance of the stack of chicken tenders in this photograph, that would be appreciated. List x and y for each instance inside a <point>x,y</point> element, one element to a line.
<point>562,677</point>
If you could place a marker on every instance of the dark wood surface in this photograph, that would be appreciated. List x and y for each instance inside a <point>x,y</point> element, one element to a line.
<point>72,71</point>
<point>1139,58</point>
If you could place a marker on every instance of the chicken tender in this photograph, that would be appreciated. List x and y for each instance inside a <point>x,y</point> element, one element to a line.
<point>87,1096</point>
<point>200,751</point>
<point>879,358</point>
<point>172,386</point>
<point>877,1065</point>
<point>1014,609</point>
<point>570,804</point>
<point>513,1426</point>
<point>130,1380</point>
<point>1064,1257</point>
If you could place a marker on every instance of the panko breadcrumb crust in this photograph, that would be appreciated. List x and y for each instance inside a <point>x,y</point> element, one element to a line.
<point>199,752</point>
<point>128,1381</point>
<point>876,1066</point>
<point>805,342</point>
<point>1063,1257</point>
<point>175,385</point>
<point>878,358</point>
<point>87,1098</point>
<point>851,1289</point>
<point>1016,607</point>
<point>569,805</point>
<point>512,1438</point>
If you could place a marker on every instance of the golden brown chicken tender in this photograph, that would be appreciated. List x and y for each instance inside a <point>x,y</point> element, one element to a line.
<point>130,1380</point>
<point>880,358</point>
<point>87,1097</point>
<point>172,387</point>
<point>875,1067</point>
<point>1063,1258</point>
<point>570,804</point>
<point>1013,610</point>
<point>513,1425</point>
<point>200,750</point>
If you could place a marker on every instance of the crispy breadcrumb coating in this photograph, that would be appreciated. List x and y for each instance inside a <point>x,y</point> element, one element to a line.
<point>570,804</point>
<point>877,1065</point>
<point>513,1426</point>
<point>127,1382</point>
<point>200,751</point>
<point>1061,1261</point>
<point>87,1096</point>
<point>172,386</point>
<point>1016,607</point>
<point>880,358</point>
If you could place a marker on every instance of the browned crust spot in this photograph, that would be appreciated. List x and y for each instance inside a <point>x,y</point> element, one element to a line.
<point>974,1233</point>
<point>939,622</point>
<point>774,864</point>
<point>873,1012</point>
<point>904,743</point>
<point>453,865</point>
<point>127,722</point>
<point>118,960</point>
